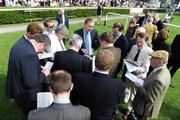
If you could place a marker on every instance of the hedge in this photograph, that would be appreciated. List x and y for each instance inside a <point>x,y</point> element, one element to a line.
<point>22,16</point>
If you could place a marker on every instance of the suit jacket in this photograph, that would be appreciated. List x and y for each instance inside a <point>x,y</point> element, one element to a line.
<point>99,92</point>
<point>95,39</point>
<point>149,98</point>
<point>122,43</point>
<point>71,61</point>
<point>60,20</point>
<point>60,112</point>
<point>117,57</point>
<point>161,45</point>
<point>24,77</point>
<point>175,49</point>
<point>140,21</point>
<point>160,25</point>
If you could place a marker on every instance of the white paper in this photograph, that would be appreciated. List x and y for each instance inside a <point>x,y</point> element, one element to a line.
<point>134,78</point>
<point>130,67</point>
<point>44,99</point>
<point>49,65</point>
<point>47,55</point>
<point>93,64</point>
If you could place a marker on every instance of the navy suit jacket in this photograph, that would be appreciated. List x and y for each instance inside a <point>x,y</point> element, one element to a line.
<point>60,21</point>
<point>160,25</point>
<point>24,77</point>
<point>140,21</point>
<point>71,61</point>
<point>95,39</point>
<point>99,92</point>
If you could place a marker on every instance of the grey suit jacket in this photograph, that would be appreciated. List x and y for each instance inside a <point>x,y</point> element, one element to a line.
<point>151,95</point>
<point>60,112</point>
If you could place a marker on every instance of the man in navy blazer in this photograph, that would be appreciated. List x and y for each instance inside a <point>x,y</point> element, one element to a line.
<point>143,19</point>
<point>98,91</point>
<point>25,76</point>
<point>70,60</point>
<point>94,37</point>
<point>159,23</point>
<point>62,19</point>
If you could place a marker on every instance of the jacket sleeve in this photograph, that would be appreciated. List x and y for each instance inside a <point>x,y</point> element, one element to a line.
<point>151,95</point>
<point>31,71</point>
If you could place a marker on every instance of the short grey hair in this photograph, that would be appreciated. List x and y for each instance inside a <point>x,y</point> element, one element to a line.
<point>75,39</point>
<point>61,29</point>
<point>150,19</point>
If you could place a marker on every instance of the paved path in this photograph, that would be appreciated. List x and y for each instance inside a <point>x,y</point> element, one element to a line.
<point>21,27</point>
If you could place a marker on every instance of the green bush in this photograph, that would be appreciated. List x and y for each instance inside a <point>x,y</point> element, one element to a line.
<point>22,16</point>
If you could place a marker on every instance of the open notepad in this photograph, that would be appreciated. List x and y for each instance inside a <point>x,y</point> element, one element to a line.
<point>134,78</point>
<point>131,65</point>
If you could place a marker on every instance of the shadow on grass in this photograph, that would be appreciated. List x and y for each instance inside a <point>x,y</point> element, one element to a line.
<point>8,108</point>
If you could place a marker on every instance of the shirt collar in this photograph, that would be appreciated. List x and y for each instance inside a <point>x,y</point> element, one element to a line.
<point>102,72</point>
<point>109,45</point>
<point>61,101</point>
<point>156,69</point>
<point>34,47</point>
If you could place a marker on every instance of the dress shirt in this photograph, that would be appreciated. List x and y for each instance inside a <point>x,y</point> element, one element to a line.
<point>62,101</point>
<point>63,19</point>
<point>88,43</point>
<point>100,71</point>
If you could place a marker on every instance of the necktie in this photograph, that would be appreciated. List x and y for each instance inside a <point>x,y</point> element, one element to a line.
<point>137,55</point>
<point>88,43</point>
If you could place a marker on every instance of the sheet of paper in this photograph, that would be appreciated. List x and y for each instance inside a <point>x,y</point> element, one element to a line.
<point>130,67</point>
<point>47,55</point>
<point>49,65</point>
<point>44,99</point>
<point>134,78</point>
<point>93,64</point>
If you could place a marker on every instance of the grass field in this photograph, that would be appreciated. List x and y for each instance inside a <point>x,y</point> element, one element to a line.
<point>9,111</point>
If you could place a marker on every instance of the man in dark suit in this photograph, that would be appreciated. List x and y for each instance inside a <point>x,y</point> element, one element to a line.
<point>90,37</point>
<point>158,22</point>
<point>98,91</point>
<point>62,19</point>
<point>121,41</point>
<point>174,62</point>
<point>143,19</point>
<point>60,85</point>
<point>71,60</point>
<point>25,76</point>
<point>106,42</point>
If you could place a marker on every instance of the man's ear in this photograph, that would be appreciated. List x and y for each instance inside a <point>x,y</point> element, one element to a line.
<point>72,85</point>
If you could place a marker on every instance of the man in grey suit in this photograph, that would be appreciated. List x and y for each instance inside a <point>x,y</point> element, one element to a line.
<point>149,97</point>
<point>60,85</point>
<point>106,42</point>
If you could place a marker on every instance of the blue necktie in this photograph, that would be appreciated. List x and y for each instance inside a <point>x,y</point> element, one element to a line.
<point>88,43</point>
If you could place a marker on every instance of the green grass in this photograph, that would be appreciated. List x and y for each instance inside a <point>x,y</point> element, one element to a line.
<point>9,111</point>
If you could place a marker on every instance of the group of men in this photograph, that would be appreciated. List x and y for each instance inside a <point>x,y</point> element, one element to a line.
<point>74,82</point>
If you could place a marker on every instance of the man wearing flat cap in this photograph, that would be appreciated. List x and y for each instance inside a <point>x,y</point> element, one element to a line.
<point>149,97</point>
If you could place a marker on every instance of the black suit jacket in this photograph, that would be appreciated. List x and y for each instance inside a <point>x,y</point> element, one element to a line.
<point>60,21</point>
<point>160,25</point>
<point>94,38</point>
<point>60,112</point>
<point>175,49</point>
<point>24,77</point>
<point>71,61</point>
<point>140,21</point>
<point>99,92</point>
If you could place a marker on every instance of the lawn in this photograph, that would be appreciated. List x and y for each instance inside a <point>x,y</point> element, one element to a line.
<point>9,111</point>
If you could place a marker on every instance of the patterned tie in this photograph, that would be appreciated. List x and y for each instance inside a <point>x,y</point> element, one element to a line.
<point>137,55</point>
<point>88,43</point>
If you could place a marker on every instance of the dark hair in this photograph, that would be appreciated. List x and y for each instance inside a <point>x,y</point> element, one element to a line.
<point>104,60</point>
<point>60,81</point>
<point>108,37</point>
<point>88,20</point>
<point>42,38</point>
<point>34,28</point>
<point>119,26</point>
<point>46,21</point>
